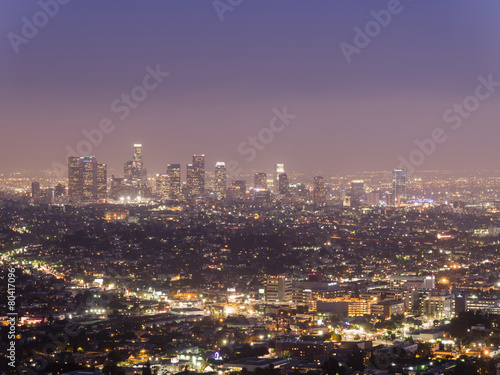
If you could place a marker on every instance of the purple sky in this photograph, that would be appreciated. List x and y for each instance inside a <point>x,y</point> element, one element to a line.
<point>227,76</point>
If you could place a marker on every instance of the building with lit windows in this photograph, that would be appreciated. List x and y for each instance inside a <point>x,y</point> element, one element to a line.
<point>220,180</point>
<point>283,184</point>
<point>386,308</point>
<point>319,193</point>
<point>35,190</point>
<point>278,289</point>
<point>174,181</point>
<point>161,186</point>
<point>87,179</point>
<point>278,169</point>
<point>439,307</point>
<point>102,182</point>
<point>399,186</point>
<point>357,192</point>
<point>260,181</point>
<point>195,177</point>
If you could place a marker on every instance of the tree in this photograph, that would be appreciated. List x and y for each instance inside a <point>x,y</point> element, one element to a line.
<point>332,367</point>
<point>356,360</point>
<point>146,370</point>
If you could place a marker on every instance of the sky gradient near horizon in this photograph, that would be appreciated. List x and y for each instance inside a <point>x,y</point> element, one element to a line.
<point>226,77</point>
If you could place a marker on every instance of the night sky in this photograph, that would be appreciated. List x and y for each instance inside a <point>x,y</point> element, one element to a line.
<point>226,77</point>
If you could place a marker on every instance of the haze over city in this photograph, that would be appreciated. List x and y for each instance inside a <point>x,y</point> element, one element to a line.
<point>227,76</point>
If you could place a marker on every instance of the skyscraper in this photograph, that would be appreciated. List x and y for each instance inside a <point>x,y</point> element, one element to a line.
<point>102,181</point>
<point>399,186</point>
<point>87,179</point>
<point>191,181</point>
<point>35,190</point>
<point>174,181</point>
<point>279,169</point>
<point>278,289</point>
<point>128,170</point>
<point>319,190</point>
<point>162,186</point>
<point>138,170</point>
<point>357,192</point>
<point>89,175</point>
<point>199,176</point>
<point>283,184</point>
<point>137,160</point>
<point>260,181</point>
<point>75,178</point>
<point>220,180</point>
<point>373,198</point>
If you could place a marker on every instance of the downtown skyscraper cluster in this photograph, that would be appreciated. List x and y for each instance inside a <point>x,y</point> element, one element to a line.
<point>87,179</point>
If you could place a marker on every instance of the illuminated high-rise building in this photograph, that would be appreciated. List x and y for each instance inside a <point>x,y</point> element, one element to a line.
<point>199,174</point>
<point>35,190</point>
<point>191,181</point>
<point>220,180</point>
<point>162,190</point>
<point>128,170</point>
<point>278,289</point>
<point>373,198</point>
<point>279,169</point>
<point>283,184</point>
<point>86,179</point>
<point>399,186</point>
<point>75,178</point>
<point>137,160</point>
<point>319,193</point>
<point>174,181</point>
<point>260,181</point>
<point>89,175</point>
<point>357,192</point>
<point>117,187</point>
<point>102,182</point>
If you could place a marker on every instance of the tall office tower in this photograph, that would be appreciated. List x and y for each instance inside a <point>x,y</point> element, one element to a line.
<point>260,181</point>
<point>116,187</point>
<point>49,195</point>
<point>278,289</point>
<point>279,169</point>
<point>174,181</point>
<point>102,181</point>
<point>134,170</point>
<point>35,190</point>
<point>357,191</point>
<point>162,186</point>
<point>75,178</point>
<point>86,179</point>
<point>199,176</point>
<point>137,160</point>
<point>374,198</point>
<point>283,184</point>
<point>128,170</point>
<point>399,186</point>
<point>89,176</point>
<point>319,190</point>
<point>191,181</point>
<point>220,180</point>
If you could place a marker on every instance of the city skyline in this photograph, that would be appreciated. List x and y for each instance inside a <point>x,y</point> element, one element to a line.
<point>249,187</point>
